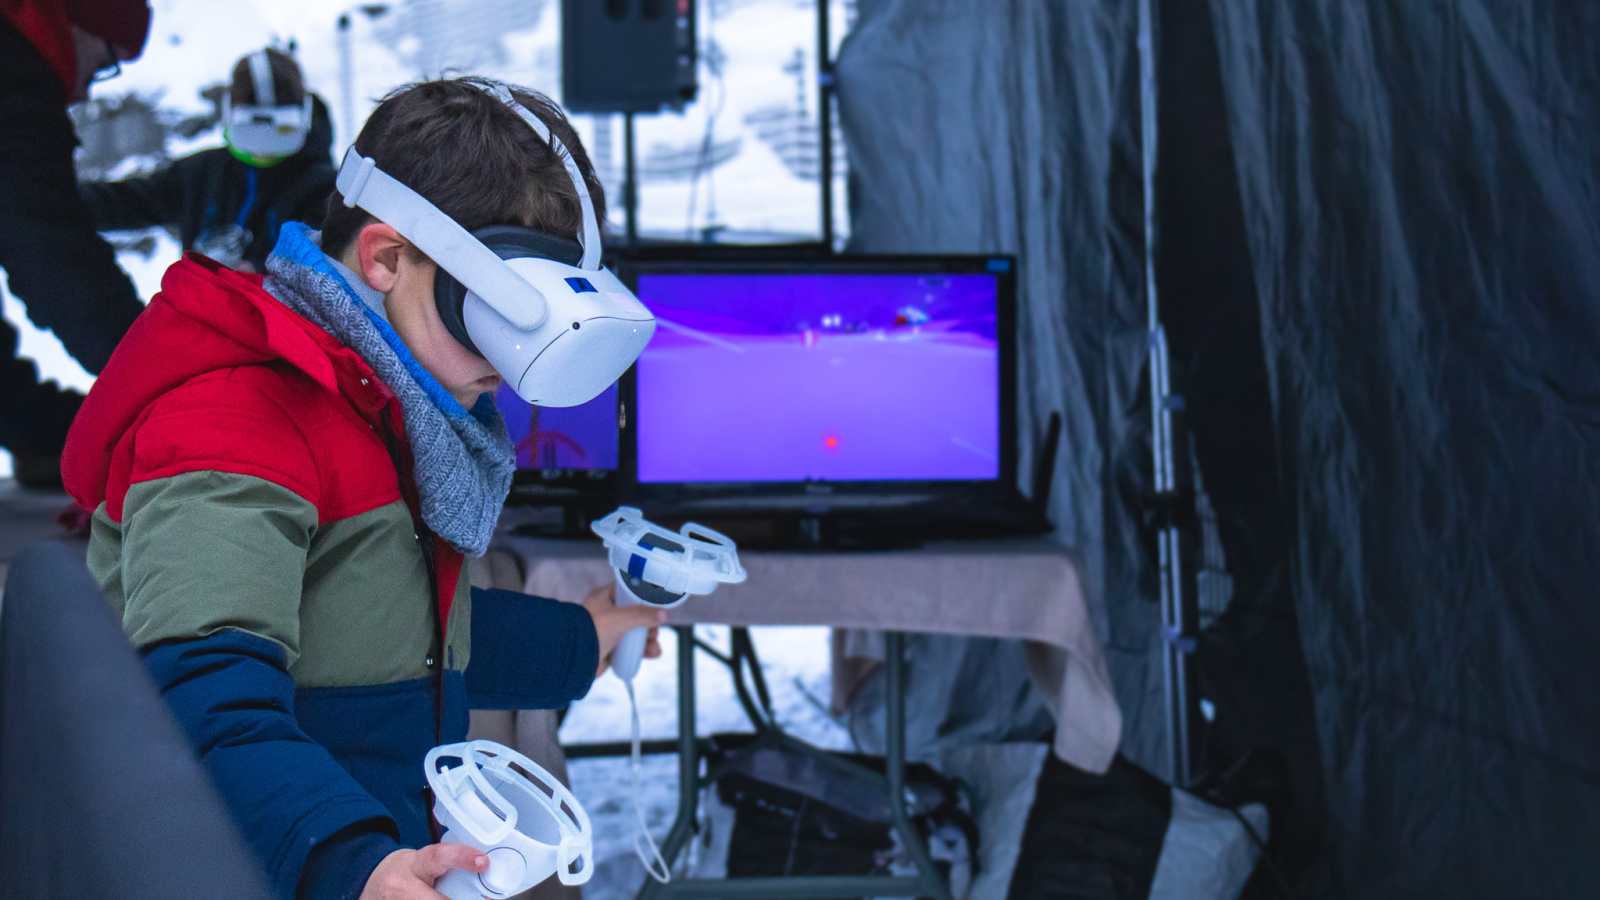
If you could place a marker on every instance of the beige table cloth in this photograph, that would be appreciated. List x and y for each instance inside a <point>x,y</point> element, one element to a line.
<point>1027,589</point>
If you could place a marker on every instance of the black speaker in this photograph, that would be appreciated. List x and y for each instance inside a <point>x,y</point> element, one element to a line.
<point>627,55</point>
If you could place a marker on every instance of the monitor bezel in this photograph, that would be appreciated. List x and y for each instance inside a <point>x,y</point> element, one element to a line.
<point>668,495</point>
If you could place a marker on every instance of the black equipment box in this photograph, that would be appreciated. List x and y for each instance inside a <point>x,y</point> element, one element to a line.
<point>622,56</point>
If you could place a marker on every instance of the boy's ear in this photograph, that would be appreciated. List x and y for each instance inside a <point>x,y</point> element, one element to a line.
<point>380,248</point>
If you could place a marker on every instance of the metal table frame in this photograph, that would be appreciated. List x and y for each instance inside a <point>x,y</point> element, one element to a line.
<point>926,883</point>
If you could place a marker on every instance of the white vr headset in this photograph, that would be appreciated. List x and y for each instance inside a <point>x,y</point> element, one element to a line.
<point>265,128</point>
<point>556,326</point>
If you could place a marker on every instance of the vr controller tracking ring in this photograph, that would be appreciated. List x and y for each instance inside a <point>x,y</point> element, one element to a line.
<point>500,802</point>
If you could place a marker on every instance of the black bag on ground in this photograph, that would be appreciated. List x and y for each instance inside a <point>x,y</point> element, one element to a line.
<point>782,832</point>
<point>1092,837</point>
<point>802,811</point>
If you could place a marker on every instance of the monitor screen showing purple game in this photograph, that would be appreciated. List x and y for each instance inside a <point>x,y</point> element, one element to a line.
<point>819,376</point>
<point>549,437</point>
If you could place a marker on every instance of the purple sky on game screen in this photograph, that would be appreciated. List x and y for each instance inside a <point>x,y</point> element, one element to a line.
<point>789,377</point>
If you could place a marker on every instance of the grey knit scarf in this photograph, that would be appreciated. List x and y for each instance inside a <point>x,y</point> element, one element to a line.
<point>464,459</point>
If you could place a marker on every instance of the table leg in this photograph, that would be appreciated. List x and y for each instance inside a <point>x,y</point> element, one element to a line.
<point>688,762</point>
<point>894,673</point>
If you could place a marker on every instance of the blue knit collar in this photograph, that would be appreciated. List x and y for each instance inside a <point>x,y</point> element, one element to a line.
<point>296,244</point>
<point>462,462</point>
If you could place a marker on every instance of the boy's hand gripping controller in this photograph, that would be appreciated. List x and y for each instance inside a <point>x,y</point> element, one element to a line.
<point>661,568</point>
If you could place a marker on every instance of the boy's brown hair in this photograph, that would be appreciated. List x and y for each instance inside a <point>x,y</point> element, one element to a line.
<point>475,159</point>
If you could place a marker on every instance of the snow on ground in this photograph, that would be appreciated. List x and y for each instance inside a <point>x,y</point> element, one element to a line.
<point>795,661</point>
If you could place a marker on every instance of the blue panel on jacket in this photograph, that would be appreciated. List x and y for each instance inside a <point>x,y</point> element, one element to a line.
<point>232,695</point>
<point>381,733</point>
<point>529,652</point>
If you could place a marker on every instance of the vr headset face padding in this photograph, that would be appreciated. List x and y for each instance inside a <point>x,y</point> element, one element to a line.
<point>507,242</point>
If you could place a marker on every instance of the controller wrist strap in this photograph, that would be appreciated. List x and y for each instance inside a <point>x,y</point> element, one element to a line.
<point>644,846</point>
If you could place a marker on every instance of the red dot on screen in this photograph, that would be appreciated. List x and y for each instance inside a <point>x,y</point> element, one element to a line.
<point>830,443</point>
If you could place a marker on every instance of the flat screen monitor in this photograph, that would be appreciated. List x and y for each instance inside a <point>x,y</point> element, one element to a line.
<point>814,376</point>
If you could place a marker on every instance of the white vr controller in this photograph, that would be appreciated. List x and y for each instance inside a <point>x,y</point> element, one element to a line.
<point>497,800</point>
<point>661,568</point>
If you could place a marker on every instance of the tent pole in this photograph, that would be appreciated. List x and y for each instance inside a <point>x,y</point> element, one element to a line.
<point>630,182</point>
<point>347,78</point>
<point>825,86</point>
<point>1168,448</point>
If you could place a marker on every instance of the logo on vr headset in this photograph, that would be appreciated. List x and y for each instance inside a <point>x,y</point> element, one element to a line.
<point>508,293</point>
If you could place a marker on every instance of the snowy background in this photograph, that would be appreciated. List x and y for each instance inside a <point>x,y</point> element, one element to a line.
<point>740,162</point>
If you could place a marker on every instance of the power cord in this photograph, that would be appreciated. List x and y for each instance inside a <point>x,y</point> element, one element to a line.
<point>1261,846</point>
<point>644,846</point>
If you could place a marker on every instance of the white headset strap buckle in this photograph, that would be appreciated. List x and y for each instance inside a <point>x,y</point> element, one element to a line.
<point>359,179</point>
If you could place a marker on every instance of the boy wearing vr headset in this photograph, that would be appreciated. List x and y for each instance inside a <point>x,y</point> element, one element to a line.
<point>229,202</point>
<point>286,474</point>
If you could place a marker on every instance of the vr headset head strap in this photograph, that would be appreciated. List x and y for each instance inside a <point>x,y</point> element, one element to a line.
<point>590,235</point>
<point>363,184</point>
<point>261,75</point>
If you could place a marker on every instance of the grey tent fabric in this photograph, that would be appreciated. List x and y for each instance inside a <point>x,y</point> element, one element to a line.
<point>960,692</point>
<point>1414,192</point>
<point>100,793</point>
<point>1006,127</point>
<point>1421,195</point>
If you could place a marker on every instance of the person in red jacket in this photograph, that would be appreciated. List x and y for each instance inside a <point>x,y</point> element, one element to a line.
<point>64,273</point>
<point>285,476</point>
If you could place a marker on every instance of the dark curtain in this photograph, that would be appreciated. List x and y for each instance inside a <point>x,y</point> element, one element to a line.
<point>1012,126</point>
<point>1249,665</point>
<point>1379,264</point>
<point>1419,194</point>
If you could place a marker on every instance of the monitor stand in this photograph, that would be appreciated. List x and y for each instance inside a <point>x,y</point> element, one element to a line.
<point>835,534</point>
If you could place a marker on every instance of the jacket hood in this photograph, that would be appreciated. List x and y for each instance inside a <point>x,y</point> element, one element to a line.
<point>205,318</point>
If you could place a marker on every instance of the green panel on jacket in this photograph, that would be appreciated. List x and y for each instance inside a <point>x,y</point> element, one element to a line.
<point>205,551</point>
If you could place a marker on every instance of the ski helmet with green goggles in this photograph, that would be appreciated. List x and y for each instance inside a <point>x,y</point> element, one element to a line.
<point>266,132</point>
